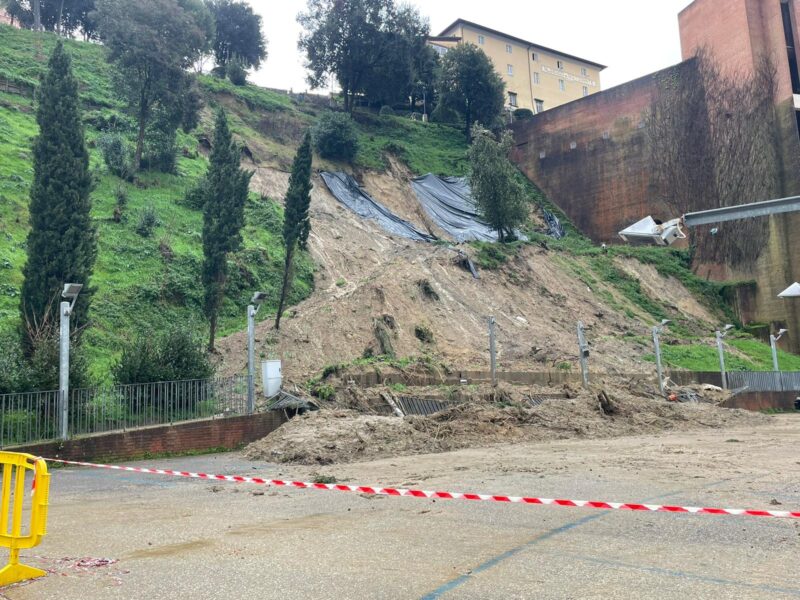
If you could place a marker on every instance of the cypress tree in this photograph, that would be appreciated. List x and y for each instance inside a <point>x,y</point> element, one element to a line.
<point>62,244</point>
<point>296,224</point>
<point>226,188</point>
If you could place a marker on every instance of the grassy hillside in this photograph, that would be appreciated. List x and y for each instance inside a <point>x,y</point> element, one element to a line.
<point>151,282</point>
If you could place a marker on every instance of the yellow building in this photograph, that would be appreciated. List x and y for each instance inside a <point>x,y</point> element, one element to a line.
<point>536,77</point>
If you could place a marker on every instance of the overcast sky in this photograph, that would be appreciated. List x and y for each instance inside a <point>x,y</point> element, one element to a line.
<point>632,37</point>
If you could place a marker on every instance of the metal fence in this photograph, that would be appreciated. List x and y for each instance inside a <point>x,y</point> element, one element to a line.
<point>34,417</point>
<point>765,381</point>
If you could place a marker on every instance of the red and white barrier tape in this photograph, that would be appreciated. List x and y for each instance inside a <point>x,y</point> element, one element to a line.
<point>379,491</point>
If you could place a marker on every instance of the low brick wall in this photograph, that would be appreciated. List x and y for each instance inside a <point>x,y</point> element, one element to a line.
<point>763,401</point>
<point>206,434</point>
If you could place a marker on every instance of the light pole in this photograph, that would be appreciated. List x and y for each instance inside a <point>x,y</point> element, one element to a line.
<point>252,310</point>
<point>721,351</point>
<point>492,352</point>
<point>71,291</point>
<point>773,342</point>
<point>657,329</point>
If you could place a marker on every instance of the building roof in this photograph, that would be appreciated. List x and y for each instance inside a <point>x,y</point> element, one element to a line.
<point>519,40</point>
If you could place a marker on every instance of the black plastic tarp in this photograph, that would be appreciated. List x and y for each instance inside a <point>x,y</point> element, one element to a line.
<point>347,191</point>
<point>448,201</point>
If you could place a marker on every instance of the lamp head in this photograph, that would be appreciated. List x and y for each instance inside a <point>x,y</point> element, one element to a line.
<point>728,327</point>
<point>665,322</point>
<point>259,298</point>
<point>71,290</point>
<point>782,331</point>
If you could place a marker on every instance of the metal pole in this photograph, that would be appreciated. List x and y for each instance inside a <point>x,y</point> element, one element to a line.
<point>492,351</point>
<point>63,370</point>
<point>721,350</point>
<point>657,345</point>
<point>583,349</point>
<point>251,343</point>
<point>773,342</point>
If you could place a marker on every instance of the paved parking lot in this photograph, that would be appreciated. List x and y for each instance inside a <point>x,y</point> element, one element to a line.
<point>175,538</point>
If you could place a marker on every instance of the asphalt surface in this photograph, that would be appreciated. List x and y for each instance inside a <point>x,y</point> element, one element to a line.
<point>177,538</point>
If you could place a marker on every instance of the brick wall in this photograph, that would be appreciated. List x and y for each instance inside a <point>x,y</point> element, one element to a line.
<point>590,156</point>
<point>206,434</point>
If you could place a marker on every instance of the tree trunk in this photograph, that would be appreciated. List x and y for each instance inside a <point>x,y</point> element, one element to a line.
<point>137,157</point>
<point>287,280</point>
<point>212,331</point>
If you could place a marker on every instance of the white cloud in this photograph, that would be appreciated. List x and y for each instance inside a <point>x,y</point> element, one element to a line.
<point>632,37</point>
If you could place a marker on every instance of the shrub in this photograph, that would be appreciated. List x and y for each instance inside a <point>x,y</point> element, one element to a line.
<point>121,198</point>
<point>148,221</point>
<point>117,155</point>
<point>423,334</point>
<point>171,356</point>
<point>236,73</point>
<point>446,115</point>
<point>14,372</point>
<point>335,137</point>
<point>161,149</point>
<point>195,198</point>
<point>386,111</point>
<point>523,113</point>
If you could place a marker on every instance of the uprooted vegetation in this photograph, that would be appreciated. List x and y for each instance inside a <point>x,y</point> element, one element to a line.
<point>477,416</point>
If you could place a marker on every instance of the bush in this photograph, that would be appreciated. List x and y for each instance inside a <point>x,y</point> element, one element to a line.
<point>386,111</point>
<point>522,114</point>
<point>236,73</point>
<point>15,373</point>
<point>171,356</point>
<point>335,137</point>
<point>161,149</point>
<point>423,334</point>
<point>148,221</point>
<point>116,154</point>
<point>195,198</point>
<point>446,115</point>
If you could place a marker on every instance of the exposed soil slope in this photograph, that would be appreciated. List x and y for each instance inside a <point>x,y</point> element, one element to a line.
<point>366,276</point>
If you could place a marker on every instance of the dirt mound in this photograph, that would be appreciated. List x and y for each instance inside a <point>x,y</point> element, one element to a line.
<point>338,436</point>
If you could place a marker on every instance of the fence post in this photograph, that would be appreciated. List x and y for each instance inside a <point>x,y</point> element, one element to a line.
<point>63,370</point>
<point>583,348</point>
<point>492,351</point>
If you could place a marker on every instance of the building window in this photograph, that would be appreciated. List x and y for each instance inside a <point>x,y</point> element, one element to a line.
<point>481,40</point>
<point>584,72</point>
<point>510,69</point>
<point>539,105</point>
<point>534,56</point>
<point>560,65</point>
<point>509,49</point>
<point>561,85</point>
<point>585,91</point>
<point>512,99</point>
<point>536,77</point>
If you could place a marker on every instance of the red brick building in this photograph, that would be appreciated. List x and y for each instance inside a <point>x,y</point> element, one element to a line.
<point>591,156</point>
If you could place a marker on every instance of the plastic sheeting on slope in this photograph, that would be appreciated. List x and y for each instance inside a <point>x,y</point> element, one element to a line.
<point>347,191</point>
<point>448,201</point>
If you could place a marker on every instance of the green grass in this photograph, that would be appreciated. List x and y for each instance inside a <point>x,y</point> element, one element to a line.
<point>741,354</point>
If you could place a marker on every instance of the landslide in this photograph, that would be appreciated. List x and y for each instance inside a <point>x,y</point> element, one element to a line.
<point>486,417</point>
<point>372,288</point>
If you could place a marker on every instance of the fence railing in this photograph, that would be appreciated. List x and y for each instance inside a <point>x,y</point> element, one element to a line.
<point>765,381</point>
<point>34,417</point>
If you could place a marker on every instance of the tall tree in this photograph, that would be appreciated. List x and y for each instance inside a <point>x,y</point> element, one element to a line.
<point>62,241</point>
<point>296,224</point>
<point>469,84</point>
<point>152,43</point>
<point>238,34</point>
<point>355,41</point>
<point>225,189</point>
<point>496,189</point>
<point>62,16</point>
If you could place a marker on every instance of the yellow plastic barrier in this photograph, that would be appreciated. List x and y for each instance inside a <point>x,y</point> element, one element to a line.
<point>12,499</point>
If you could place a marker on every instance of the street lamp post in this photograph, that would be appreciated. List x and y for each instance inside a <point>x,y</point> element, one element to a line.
<point>721,351</point>
<point>70,292</point>
<point>657,329</point>
<point>773,342</point>
<point>252,310</point>
<point>583,353</point>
